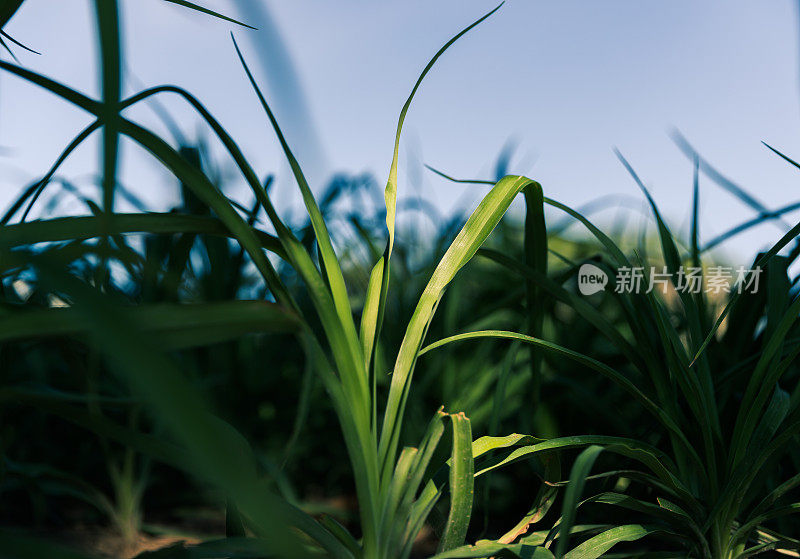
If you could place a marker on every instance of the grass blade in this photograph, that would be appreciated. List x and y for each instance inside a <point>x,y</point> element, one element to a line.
<point>462,484</point>
<point>87,227</point>
<point>107,13</point>
<point>193,6</point>
<point>598,545</point>
<point>330,262</point>
<point>577,479</point>
<point>487,548</point>
<point>477,228</point>
<point>371,325</point>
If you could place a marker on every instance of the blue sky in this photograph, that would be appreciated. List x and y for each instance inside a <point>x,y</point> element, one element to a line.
<point>566,80</point>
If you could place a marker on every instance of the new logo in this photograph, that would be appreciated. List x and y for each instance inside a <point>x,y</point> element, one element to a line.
<point>591,279</point>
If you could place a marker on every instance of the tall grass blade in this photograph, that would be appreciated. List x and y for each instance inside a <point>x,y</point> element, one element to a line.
<point>379,284</point>
<point>330,261</point>
<point>477,228</point>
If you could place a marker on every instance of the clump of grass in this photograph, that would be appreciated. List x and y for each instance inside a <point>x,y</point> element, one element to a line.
<point>717,461</point>
<point>394,491</point>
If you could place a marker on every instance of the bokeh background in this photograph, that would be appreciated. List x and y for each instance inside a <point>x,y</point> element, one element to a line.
<point>563,82</point>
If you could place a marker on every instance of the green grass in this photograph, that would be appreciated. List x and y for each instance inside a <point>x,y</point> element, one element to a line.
<point>676,437</point>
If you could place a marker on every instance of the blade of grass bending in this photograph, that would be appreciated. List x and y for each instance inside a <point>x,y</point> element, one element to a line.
<point>20,45</point>
<point>36,191</point>
<point>378,289</point>
<point>86,227</point>
<point>475,231</point>
<point>391,184</point>
<point>619,258</point>
<point>577,479</point>
<point>525,446</point>
<point>462,484</point>
<point>66,93</point>
<point>598,366</point>
<point>453,179</point>
<point>193,6</point>
<point>330,262</point>
<point>29,191</point>
<point>664,510</point>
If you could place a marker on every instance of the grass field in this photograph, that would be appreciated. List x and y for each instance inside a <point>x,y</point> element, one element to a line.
<point>218,381</point>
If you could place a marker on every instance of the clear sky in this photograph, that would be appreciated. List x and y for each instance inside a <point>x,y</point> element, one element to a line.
<point>567,80</point>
